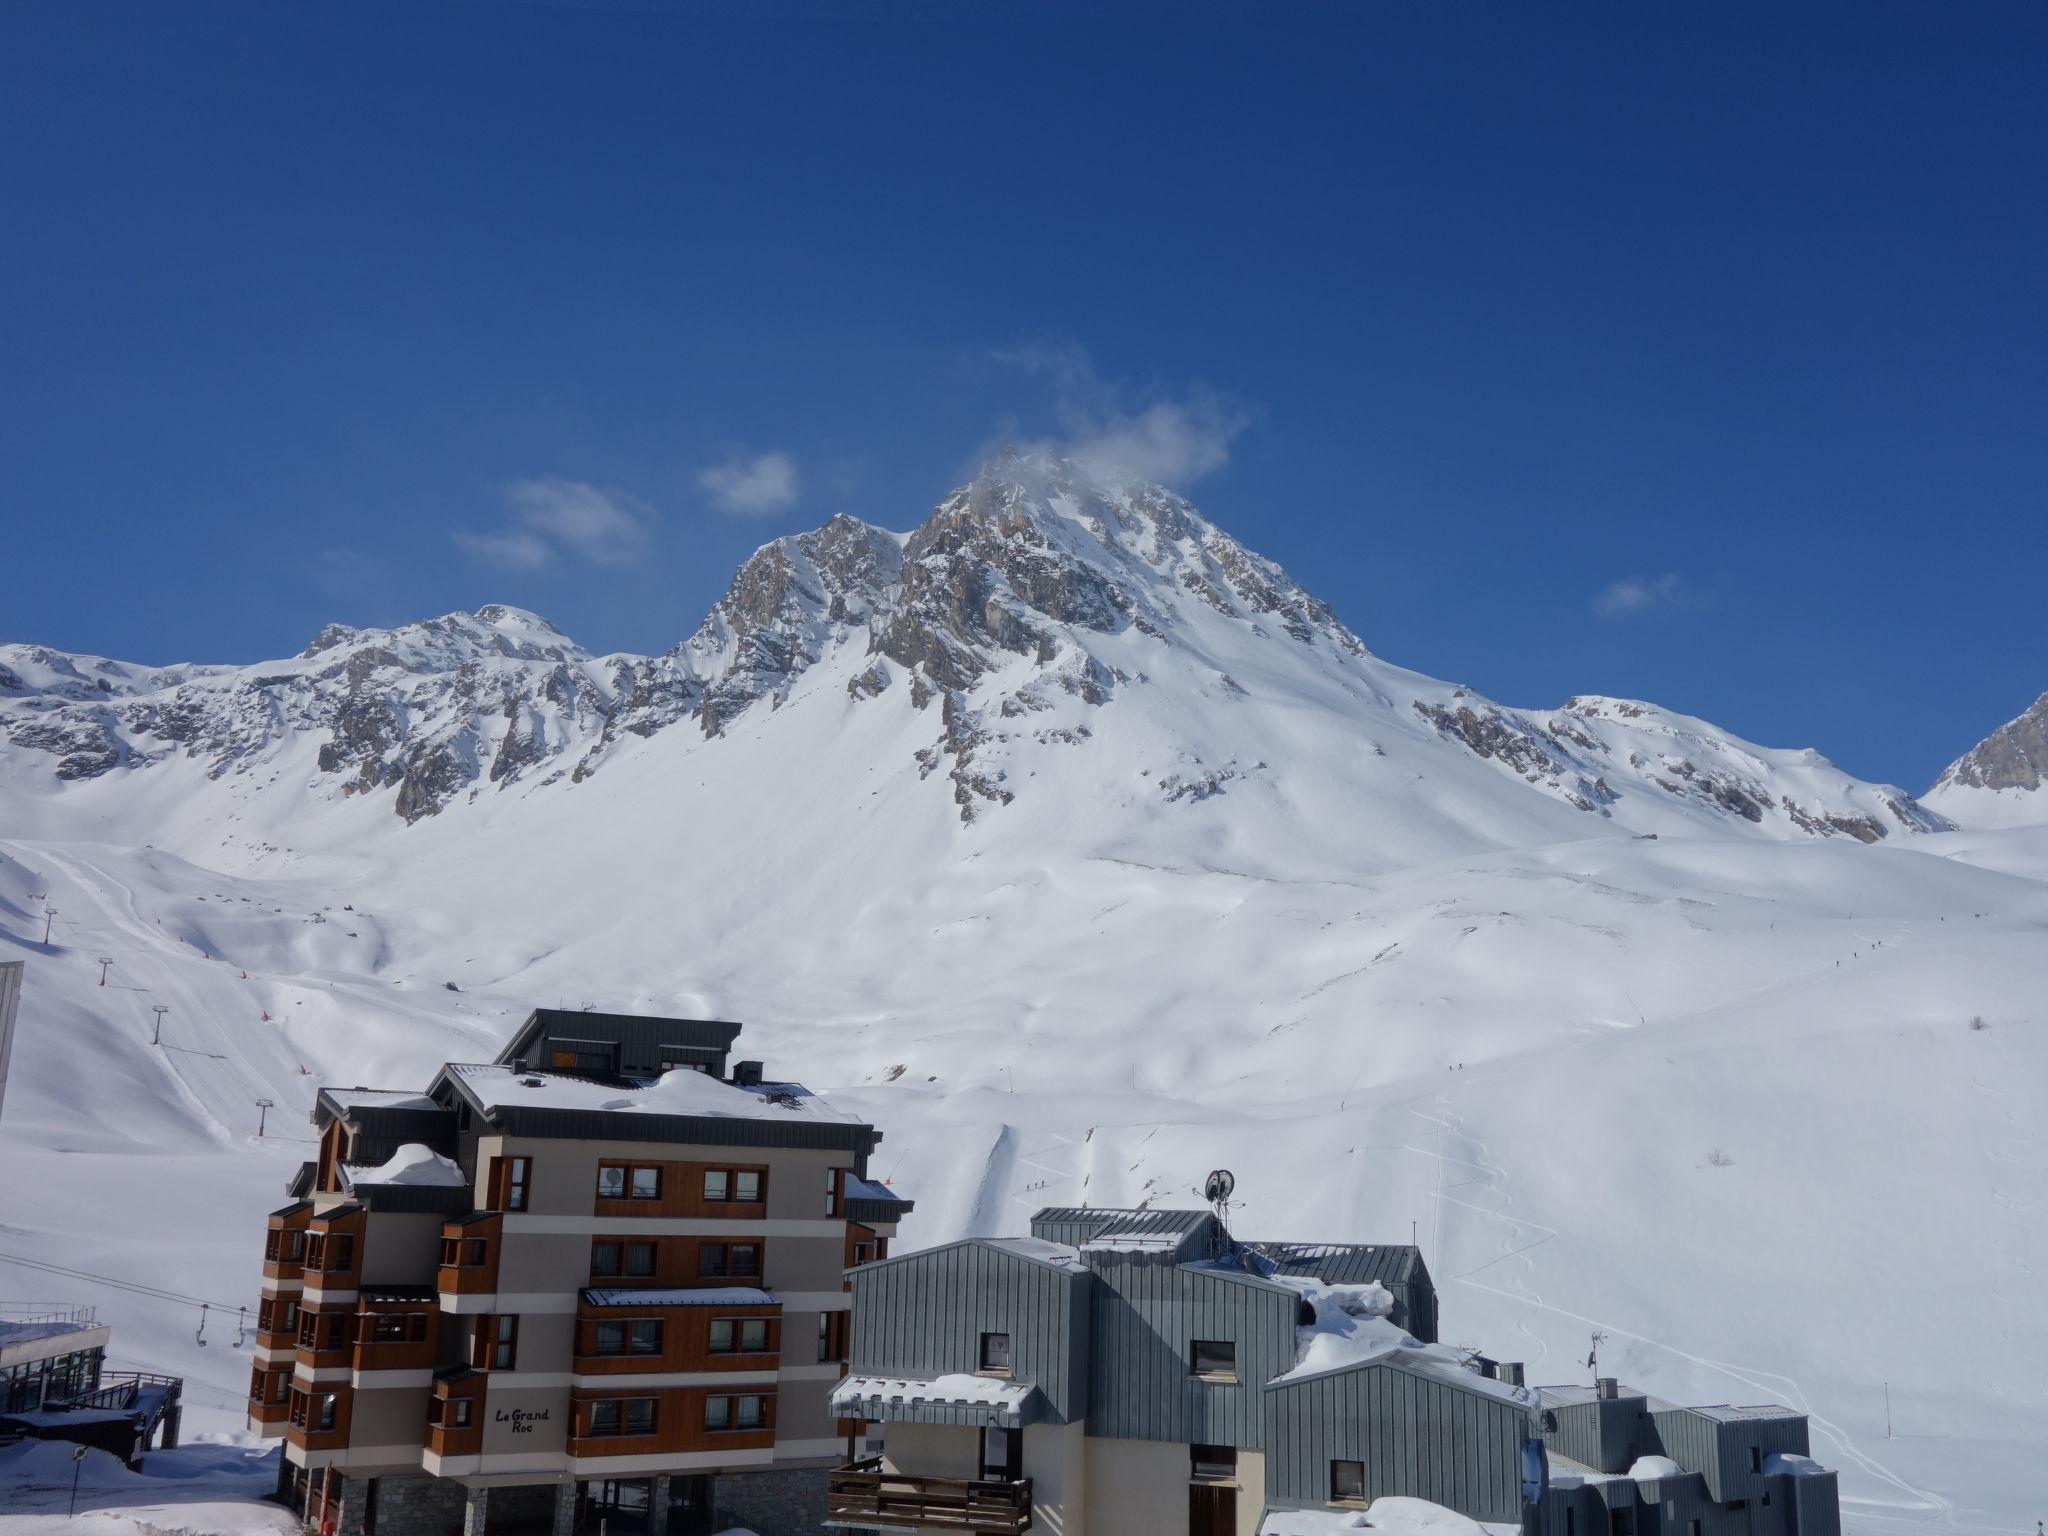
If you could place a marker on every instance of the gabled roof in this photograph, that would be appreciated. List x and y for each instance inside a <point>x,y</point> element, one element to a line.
<point>1032,1250</point>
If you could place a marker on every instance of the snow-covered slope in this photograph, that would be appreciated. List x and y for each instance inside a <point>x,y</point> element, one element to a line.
<point>2003,780</point>
<point>1084,851</point>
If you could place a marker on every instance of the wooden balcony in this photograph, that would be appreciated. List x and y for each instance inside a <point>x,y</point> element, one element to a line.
<point>864,1493</point>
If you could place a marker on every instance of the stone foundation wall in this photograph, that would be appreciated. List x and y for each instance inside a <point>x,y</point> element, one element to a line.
<point>784,1503</point>
<point>419,1506</point>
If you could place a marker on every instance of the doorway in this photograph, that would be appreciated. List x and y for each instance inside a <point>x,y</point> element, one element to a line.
<point>1212,1511</point>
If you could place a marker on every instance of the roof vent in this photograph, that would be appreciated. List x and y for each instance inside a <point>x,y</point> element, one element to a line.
<point>531,1082</point>
<point>1609,1388</point>
<point>1511,1372</point>
<point>746,1074</point>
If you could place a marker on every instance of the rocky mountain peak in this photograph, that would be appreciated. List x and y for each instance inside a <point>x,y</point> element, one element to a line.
<point>2004,778</point>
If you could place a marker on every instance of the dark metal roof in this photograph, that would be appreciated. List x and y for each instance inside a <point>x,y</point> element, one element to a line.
<point>431,1198</point>
<point>868,1212</point>
<point>300,1184</point>
<point>628,1031</point>
<point>289,1210</point>
<point>1346,1263</point>
<point>679,1130</point>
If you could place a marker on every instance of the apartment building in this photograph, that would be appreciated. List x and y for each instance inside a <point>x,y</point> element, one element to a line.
<point>1144,1373</point>
<point>599,1280</point>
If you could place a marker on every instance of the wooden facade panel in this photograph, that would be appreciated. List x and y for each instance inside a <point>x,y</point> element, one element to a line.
<point>679,1261</point>
<point>679,1422</point>
<point>681,1190</point>
<point>685,1340</point>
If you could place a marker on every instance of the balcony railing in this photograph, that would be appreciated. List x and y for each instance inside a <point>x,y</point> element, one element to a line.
<point>864,1493</point>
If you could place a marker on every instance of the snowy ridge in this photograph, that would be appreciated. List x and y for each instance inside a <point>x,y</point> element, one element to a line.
<point>1037,607</point>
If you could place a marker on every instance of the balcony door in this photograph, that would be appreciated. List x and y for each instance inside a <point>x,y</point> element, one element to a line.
<point>1002,1455</point>
<point>1212,1511</point>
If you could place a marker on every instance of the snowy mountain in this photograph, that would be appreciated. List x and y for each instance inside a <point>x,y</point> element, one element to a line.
<point>1998,782</point>
<point>1084,851</point>
<point>1030,606</point>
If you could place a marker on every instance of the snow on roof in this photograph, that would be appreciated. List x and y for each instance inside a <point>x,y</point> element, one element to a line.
<point>956,1390</point>
<point>1040,1251</point>
<point>681,1296</point>
<point>1351,1328</point>
<point>49,1328</point>
<point>412,1164</point>
<point>1724,1413</point>
<point>1786,1464</point>
<point>380,1098</point>
<point>1391,1515</point>
<point>858,1188</point>
<point>681,1092</point>
<point>1648,1469</point>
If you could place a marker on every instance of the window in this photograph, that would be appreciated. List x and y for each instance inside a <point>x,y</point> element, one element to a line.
<point>636,1336</point>
<point>395,1328</point>
<point>320,1331</point>
<point>1002,1454</point>
<point>622,1416</point>
<point>611,1258</point>
<point>832,1191</point>
<point>1692,1528</point>
<point>724,1261</point>
<point>599,1057</point>
<point>739,1335</point>
<point>995,1353</point>
<point>1213,1359</point>
<point>497,1342</point>
<point>449,1412</point>
<point>1347,1482</point>
<point>620,1181</point>
<point>1212,1463</point>
<point>517,1174</point>
<point>750,1411</point>
<point>732,1184</point>
<point>865,1251</point>
<point>1756,1458</point>
<point>464,1252</point>
<point>831,1335</point>
<point>313,1410</point>
<point>1571,1521</point>
<point>338,1253</point>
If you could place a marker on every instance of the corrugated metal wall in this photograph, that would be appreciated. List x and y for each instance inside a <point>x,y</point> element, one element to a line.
<point>1608,1434</point>
<point>1720,1448</point>
<point>1416,1436</point>
<point>1145,1317</point>
<point>923,1315</point>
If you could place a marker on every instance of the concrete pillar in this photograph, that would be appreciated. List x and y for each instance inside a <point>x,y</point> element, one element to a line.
<point>565,1509</point>
<point>170,1423</point>
<point>476,1504</point>
<point>657,1506</point>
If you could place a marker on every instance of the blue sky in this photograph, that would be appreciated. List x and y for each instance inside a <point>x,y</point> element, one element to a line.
<point>1695,354</point>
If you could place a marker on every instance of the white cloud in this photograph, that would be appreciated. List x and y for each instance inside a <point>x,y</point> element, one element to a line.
<point>1174,440</point>
<point>549,516</point>
<point>1634,595</point>
<point>756,486</point>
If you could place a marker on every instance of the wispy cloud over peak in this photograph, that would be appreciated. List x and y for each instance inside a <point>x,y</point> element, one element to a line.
<point>1634,595</point>
<point>756,485</point>
<point>548,517</point>
<point>1172,437</point>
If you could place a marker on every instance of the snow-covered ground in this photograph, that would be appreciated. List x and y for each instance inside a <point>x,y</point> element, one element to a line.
<point>1756,1100</point>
